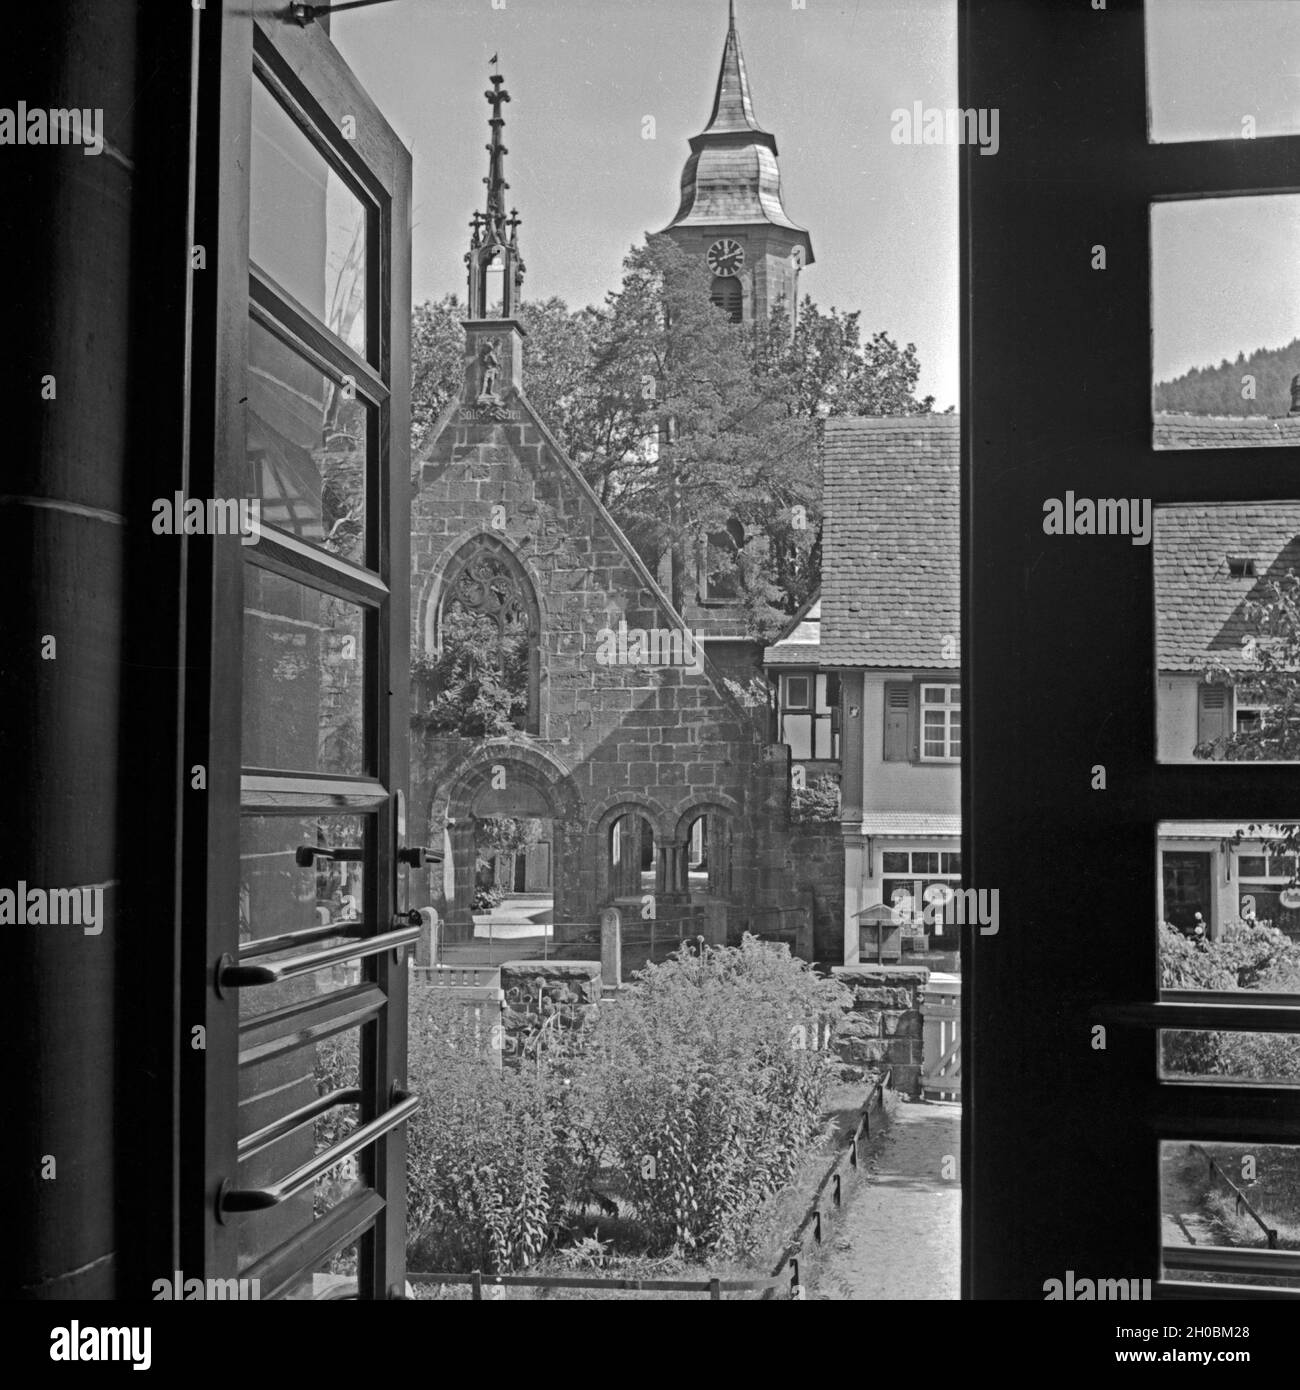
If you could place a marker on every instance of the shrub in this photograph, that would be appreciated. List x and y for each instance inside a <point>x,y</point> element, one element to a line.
<point>707,1088</point>
<point>818,801</point>
<point>1250,956</point>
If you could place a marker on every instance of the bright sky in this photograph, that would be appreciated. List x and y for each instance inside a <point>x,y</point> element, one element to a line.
<point>582,75</point>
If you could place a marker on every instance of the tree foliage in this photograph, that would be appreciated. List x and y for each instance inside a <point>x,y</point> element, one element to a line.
<point>682,421</point>
<point>476,684</point>
<point>1218,390</point>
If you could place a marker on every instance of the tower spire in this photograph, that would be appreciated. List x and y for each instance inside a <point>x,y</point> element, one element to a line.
<point>494,236</point>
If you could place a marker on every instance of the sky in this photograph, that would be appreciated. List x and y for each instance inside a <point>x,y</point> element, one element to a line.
<point>583,75</point>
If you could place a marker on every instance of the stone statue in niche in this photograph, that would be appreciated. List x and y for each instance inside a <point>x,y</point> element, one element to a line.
<point>489,371</point>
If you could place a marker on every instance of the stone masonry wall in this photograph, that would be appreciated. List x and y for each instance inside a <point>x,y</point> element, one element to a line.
<point>669,743</point>
<point>883,1026</point>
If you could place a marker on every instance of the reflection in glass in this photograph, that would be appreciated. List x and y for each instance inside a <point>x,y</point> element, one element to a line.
<point>1225,289</point>
<point>306,445</point>
<point>304,675</point>
<point>1270,1059</point>
<point>307,229</point>
<point>1222,69</point>
<point>1229,1196</point>
<point>1228,633</point>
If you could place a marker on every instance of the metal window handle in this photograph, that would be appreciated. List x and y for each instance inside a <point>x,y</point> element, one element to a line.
<point>233,1199</point>
<point>305,856</point>
<point>418,856</point>
<point>230,974</point>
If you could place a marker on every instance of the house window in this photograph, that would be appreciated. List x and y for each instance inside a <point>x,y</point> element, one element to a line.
<point>808,715</point>
<point>916,880</point>
<point>940,723</point>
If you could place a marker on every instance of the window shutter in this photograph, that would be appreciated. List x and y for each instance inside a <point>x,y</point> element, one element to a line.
<point>898,721</point>
<point>1213,711</point>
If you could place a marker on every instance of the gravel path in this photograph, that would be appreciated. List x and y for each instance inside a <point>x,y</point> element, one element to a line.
<point>900,1238</point>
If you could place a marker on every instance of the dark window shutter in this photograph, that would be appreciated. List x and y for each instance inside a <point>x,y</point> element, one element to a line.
<point>1213,712</point>
<point>898,721</point>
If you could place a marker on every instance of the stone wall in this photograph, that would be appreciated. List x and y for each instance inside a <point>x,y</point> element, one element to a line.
<point>604,738</point>
<point>535,992</point>
<point>884,1024</point>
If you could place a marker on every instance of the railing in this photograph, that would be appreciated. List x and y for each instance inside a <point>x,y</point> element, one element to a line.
<point>715,1288</point>
<point>1242,1200</point>
<point>845,1169</point>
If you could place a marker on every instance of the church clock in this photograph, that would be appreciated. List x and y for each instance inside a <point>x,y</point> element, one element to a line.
<point>726,257</point>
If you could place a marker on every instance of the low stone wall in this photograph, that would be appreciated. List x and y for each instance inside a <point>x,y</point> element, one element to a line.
<point>536,991</point>
<point>883,1026</point>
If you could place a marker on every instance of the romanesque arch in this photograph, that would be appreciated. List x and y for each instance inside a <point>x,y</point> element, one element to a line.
<point>503,777</point>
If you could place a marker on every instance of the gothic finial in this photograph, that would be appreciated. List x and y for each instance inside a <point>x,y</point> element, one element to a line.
<point>495,237</point>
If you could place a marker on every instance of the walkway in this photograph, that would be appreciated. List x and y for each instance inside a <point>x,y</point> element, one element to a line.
<point>900,1238</point>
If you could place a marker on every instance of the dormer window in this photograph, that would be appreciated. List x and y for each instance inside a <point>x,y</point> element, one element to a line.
<point>1241,567</point>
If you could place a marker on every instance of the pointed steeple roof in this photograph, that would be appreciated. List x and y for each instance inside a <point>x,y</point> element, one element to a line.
<point>733,106</point>
<point>732,175</point>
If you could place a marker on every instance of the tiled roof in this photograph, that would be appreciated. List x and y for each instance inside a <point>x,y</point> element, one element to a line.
<point>908,823</point>
<point>1199,605</point>
<point>800,644</point>
<point>891,586</point>
<point>1225,431</point>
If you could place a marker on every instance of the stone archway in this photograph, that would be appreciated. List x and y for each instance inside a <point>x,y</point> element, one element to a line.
<point>503,778</point>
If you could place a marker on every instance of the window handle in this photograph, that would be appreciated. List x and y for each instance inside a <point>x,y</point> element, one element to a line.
<point>305,856</point>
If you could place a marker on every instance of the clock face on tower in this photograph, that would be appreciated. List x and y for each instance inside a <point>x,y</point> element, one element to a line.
<point>726,257</point>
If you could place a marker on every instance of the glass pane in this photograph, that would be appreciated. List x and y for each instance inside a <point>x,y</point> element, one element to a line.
<point>1222,69</point>
<point>1225,291</point>
<point>1264,1058</point>
<point>306,446</point>
<point>268,1092</point>
<point>925,862</point>
<point>334,1278</point>
<point>951,863</point>
<point>1229,1196</point>
<point>894,861</point>
<point>1218,930</point>
<point>304,673</point>
<point>1218,635</point>
<point>278,895</point>
<point>307,229</point>
<point>798,735</point>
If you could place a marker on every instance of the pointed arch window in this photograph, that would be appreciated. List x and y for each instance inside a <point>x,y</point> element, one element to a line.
<point>482,674</point>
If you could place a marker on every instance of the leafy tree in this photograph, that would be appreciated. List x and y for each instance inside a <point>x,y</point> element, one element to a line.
<point>1218,390</point>
<point>683,421</point>
<point>477,684</point>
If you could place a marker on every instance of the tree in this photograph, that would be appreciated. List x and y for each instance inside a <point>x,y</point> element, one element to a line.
<point>477,683</point>
<point>683,422</point>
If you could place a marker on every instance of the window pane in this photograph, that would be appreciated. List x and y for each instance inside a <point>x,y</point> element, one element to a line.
<point>925,862</point>
<point>1211,64</point>
<point>934,694</point>
<point>1219,930</point>
<point>1228,1196</point>
<point>1225,290</point>
<point>307,229</point>
<point>894,861</point>
<point>306,448</point>
<point>950,863</point>
<point>304,673</point>
<point>1216,633</point>
<point>1265,1058</point>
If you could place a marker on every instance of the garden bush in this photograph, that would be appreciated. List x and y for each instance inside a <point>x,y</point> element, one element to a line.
<point>706,1086</point>
<point>1248,956</point>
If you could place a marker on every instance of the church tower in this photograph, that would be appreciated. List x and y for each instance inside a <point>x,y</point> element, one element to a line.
<point>731,212</point>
